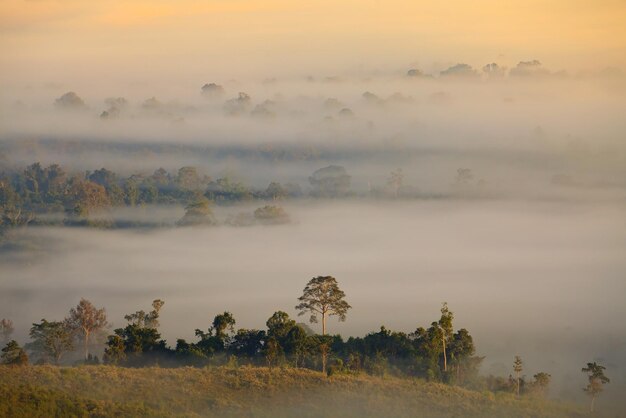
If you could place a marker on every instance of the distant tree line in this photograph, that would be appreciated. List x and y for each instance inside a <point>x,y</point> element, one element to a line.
<point>50,195</point>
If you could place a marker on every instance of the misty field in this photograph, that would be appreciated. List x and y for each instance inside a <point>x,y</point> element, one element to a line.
<point>256,392</point>
<point>312,209</point>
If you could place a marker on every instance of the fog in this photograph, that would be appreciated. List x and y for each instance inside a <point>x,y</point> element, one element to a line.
<point>530,256</point>
<point>540,279</point>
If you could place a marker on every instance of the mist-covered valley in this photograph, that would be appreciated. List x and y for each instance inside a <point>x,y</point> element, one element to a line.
<point>502,195</point>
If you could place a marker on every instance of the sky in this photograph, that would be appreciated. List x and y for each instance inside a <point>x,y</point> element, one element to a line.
<point>158,40</point>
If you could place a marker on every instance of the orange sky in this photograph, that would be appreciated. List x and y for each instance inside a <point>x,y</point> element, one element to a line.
<point>161,38</point>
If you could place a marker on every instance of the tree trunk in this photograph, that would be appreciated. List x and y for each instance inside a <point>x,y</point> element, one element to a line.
<point>593,400</point>
<point>445,360</point>
<point>323,323</point>
<point>86,346</point>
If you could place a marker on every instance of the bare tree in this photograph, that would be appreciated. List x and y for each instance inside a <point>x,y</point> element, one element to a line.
<point>322,296</point>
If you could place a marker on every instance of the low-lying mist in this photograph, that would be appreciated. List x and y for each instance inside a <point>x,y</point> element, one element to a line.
<point>542,279</point>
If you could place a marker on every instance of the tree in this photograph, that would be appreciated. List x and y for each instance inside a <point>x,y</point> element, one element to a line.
<point>461,351</point>
<point>541,383</point>
<point>86,196</point>
<point>597,379</point>
<point>198,213</point>
<point>322,296</point>
<point>271,215</point>
<point>85,319</point>
<point>272,351</point>
<point>331,181</point>
<point>279,325</point>
<point>51,340</point>
<point>13,354</point>
<point>445,324</point>
<point>275,191</point>
<point>517,368</point>
<point>149,320</point>
<point>395,181</point>
<point>6,329</point>
<point>221,323</point>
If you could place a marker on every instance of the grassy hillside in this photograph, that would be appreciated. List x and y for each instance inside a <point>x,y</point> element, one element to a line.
<point>98,391</point>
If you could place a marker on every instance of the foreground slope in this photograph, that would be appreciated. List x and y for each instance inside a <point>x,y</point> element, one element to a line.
<point>42,391</point>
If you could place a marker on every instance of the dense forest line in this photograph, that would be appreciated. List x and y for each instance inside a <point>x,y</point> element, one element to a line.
<point>39,195</point>
<point>437,353</point>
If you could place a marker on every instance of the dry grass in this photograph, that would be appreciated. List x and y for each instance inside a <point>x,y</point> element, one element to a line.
<point>252,392</point>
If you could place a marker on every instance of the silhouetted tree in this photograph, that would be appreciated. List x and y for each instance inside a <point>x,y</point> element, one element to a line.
<point>322,296</point>
<point>597,379</point>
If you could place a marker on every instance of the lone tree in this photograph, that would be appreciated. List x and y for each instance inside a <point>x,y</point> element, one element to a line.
<point>597,379</point>
<point>445,324</point>
<point>13,355</point>
<point>85,319</point>
<point>517,368</point>
<point>322,296</point>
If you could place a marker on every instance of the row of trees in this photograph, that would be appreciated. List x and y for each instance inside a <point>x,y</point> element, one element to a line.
<point>38,189</point>
<point>437,352</point>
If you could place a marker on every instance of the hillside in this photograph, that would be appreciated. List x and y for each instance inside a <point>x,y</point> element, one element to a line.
<point>99,391</point>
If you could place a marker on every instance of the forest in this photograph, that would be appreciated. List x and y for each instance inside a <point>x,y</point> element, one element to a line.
<point>435,353</point>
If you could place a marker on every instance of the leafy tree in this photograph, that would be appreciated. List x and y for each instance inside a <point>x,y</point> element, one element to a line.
<point>85,197</point>
<point>227,190</point>
<point>189,179</point>
<point>222,323</point>
<point>149,320</point>
<point>445,325</point>
<point>135,345</point>
<point>272,351</point>
<point>198,213</point>
<point>51,340</point>
<point>297,344</point>
<point>541,383</point>
<point>6,329</point>
<point>597,379</point>
<point>271,215</point>
<point>331,181</point>
<point>85,319</point>
<point>13,354</point>
<point>517,368</point>
<point>461,351</point>
<point>275,191</point>
<point>115,351</point>
<point>217,338</point>
<point>247,343</point>
<point>279,325</point>
<point>322,296</point>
